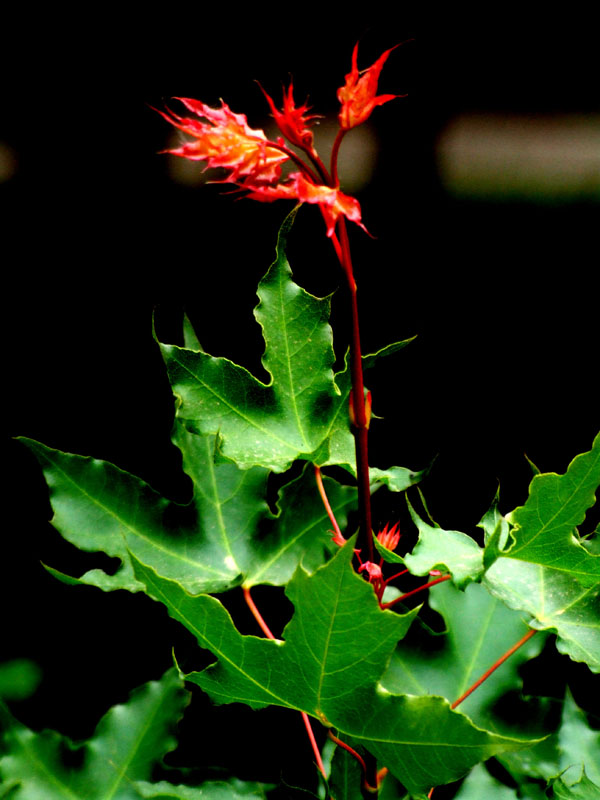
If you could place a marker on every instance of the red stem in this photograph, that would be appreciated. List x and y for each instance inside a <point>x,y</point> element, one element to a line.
<point>360,422</point>
<point>337,247</point>
<point>268,633</point>
<point>313,743</point>
<point>414,591</point>
<point>335,182</point>
<point>488,672</point>
<point>328,509</point>
<point>494,667</point>
<point>321,168</point>
<point>256,613</point>
<point>314,178</point>
<point>360,760</point>
<point>397,575</point>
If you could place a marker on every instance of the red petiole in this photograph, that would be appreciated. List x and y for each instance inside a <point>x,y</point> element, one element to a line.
<point>415,591</point>
<point>494,667</point>
<point>489,671</point>
<point>305,718</point>
<point>380,775</point>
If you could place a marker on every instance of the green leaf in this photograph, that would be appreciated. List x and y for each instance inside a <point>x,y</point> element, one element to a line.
<point>555,601</point>
<point>480,785</point>
<point>301,533</point>
<point>226,535</point>
<point>571,748</point>
<point>578,744</point>
<point>496,532</point>
<point>346,776</point>
<point>261,424</point>
<point>450,551</point>
<point>546,571</point>
<point>584,789</point>
<point>479,630</point>
<point>389,556</point>
<point>129,740</point>
<point>397,479</point>
<point>211,790</point>
<point>542,531</point>
<point>265,548</point>
<point>98,507</point>
<point>329,666</point>
<point>190,340</point>
<point>302,412</point>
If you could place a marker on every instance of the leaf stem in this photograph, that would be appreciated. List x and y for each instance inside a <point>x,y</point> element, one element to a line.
<point>256,613</point>
<point>338,538</point>
<point>313,743</point>
<point>268,633</point>
<point>361,761</point>
<point>494,667</point>
<point>392,577</point>
<point>321,168</point>
<point>357,399</point>
<point>414,591</point>
<point>334,157</point>
<point>487,674</point>
<point>314,178</point>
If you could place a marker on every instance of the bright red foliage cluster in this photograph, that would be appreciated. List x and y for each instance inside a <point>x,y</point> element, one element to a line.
<point>224,139</point>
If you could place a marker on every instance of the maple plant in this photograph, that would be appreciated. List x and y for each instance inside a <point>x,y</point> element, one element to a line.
<point>404,661</point>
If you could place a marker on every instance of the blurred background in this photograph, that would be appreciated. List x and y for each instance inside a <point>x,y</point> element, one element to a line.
<point>481,188</point>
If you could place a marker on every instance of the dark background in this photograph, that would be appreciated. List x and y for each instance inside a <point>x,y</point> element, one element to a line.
<point>98,237</point>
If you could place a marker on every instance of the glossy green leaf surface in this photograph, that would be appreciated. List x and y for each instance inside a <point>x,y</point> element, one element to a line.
<point>329,665</point>
<point>210,790</point>
<point>480,785</point>
<point>545,570</point>
<point>346,776</point>
<point>129,740</point>
<point>261,424</point>
<point>439,549</point>
<point>302,412</point>
<point>555,601</point>
<point>571,748</point>
<point>446,550</point>
<point>578,744</point>
<point>583,789</point>
<point>542,530</point>
<point>479,629</point>
<point>224,536</point>
<point>569,760</point>
<point>496,530</point>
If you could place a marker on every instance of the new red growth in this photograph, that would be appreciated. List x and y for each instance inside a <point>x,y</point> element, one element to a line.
<point>224,139</point>
<point>357,95</point>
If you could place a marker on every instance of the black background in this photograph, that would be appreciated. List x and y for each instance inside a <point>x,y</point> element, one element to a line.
<point>503,297</point>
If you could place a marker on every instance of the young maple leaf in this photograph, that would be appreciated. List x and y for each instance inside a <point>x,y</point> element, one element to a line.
<point>357,95</point>
<point>226,140</point>
<point>332,202</point>
<point>293,122</point>
<point>389,537</point>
